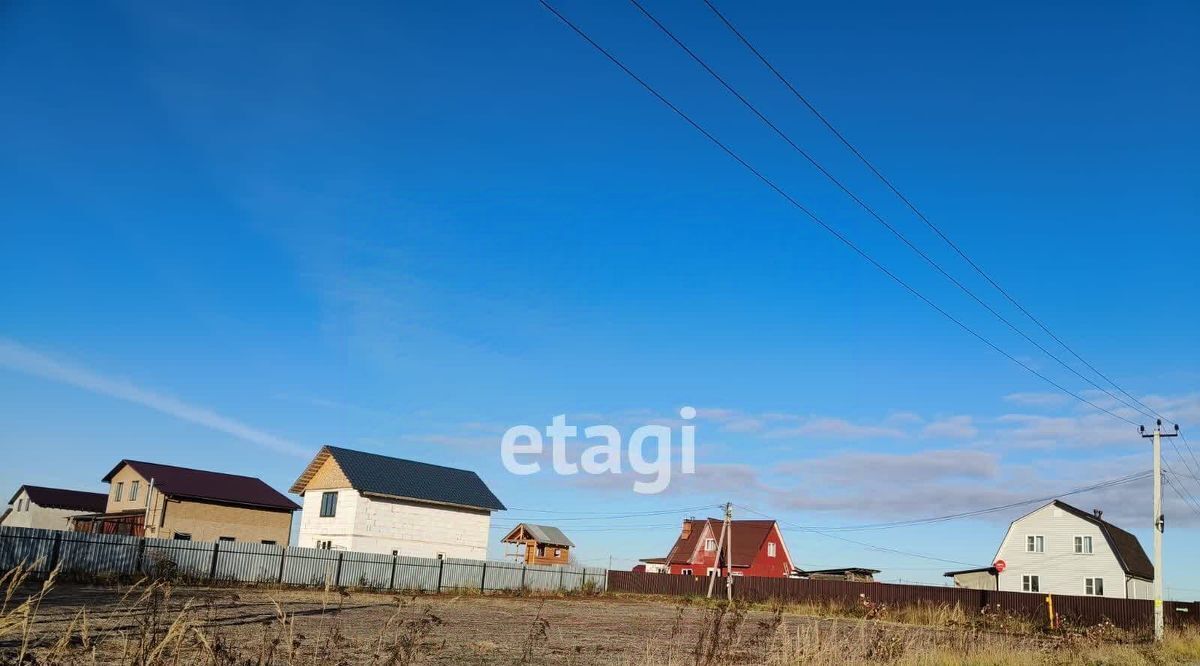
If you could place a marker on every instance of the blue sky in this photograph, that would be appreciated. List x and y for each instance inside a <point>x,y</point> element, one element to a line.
<point>235,233</point>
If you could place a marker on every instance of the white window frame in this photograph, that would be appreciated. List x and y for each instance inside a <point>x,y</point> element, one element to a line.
<point>713,570</point>
<point>120,490</point>
<point>133,490</point>
<point>770,549</point>
<point>710,545</point>
<point>1035,543</point>
<point>1083,544</point>
<point>685,572</point>
<point>1093,587</point>
<point>1031,583</point>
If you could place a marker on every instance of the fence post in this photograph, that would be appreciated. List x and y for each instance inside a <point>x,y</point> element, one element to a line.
<point>54,551</point>
<point>337,576</point>
<point>392,581</point>
<point>282,559</point>
<point>482,576</point>
<point>212,569</point>
<point>141,555</point>
<point>523,570</point>
<point>441,566</point>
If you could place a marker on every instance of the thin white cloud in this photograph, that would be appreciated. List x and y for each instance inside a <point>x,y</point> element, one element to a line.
<point>20,358</point>
<point>835,428</point>
<point>1037,399</point>
<point>954,427</point>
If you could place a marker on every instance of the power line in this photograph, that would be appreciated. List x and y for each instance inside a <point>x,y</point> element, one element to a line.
<point>871,211</point>
<point>838,235</point>
<point>907,202</point>
<point>861,543</point>
<point>1138,476</point>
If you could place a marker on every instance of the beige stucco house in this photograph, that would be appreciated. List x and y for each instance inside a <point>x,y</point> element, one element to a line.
<point>169,502</point>
<point>45,508</point>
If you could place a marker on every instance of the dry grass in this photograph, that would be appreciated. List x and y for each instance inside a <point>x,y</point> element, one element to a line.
<point>154,623</point>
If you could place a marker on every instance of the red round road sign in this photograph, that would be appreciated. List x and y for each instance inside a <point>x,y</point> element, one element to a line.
<point>999,565</point>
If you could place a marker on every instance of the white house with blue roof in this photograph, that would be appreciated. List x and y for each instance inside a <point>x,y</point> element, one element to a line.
<point>377,504</point>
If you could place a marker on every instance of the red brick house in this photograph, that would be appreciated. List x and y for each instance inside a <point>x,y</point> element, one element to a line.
<point>758,549</point>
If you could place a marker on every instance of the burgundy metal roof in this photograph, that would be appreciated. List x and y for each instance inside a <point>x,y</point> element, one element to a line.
<point>748,538</point>
<point>61,498</point>
<point>198,484</point>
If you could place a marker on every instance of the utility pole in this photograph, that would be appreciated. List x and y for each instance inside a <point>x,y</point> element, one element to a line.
<point>715,569</point>
<point>1159,521</point>
<point>729,551</point>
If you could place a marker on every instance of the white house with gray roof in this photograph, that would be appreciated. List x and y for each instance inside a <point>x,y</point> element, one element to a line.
<point>1059,549</point>
<point>377,504</point>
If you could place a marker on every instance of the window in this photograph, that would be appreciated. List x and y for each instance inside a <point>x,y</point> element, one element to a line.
<point>183,536</point>
<point>1030,584</point>
<point>710,545</point>
<point>133,488</point>
<point>1083,545</point>
<point>325,545</point>
<point>1035,544</point>
<point>328,505</point>
<point>771,549</point>
<point>268,542</point>
<point>541,550</point>
<point>713,570</point>
<point>120,489</point>
<point>1093,586</point>
<point>225,539</point>
<point>441,556</point>
<point>686,572</point>
<point>557,552</point>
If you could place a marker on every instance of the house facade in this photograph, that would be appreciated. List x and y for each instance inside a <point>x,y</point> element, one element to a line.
<point>1060,549</point>
<point>540,544</point>
<point>169,502</point>
<point>45,508</point>
<point>758,549</point>
<point>372,503</point>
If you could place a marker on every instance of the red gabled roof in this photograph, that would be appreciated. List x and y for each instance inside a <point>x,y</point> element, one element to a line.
<point>61,498</point>
<point>203,485</point>
<point>748,539</point>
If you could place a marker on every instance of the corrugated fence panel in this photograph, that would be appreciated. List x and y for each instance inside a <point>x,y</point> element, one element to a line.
<point>99,554</point>
<point>248,562</point>
<point>542,577</point>
<point>417,573</point>
<point>310,566</point>
<point>366,570</point>
<point>1071,610</point>
<point>503,576</point>
<point>175,557</point>
<point>462,574</point>
<point>30,547</point>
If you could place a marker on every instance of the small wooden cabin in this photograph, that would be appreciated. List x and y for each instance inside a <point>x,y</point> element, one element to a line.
<point>543,544</point>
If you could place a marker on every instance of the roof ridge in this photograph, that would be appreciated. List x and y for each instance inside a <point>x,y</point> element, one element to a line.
<point>333,448</point>
<point>128,461</point>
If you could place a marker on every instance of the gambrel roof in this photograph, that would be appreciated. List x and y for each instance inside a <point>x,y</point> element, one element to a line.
<point>373,474</point>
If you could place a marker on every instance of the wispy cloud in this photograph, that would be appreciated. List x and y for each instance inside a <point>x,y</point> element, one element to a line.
<point>1038,399</point>
<point>18,357</point>
<point>954,427</point>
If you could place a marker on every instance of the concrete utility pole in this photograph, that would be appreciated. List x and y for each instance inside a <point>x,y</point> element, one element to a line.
<point>715,569</point>
<point>1159,521</point>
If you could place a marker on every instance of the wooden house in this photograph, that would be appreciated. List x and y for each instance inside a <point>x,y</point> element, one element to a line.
<point>542,544</point>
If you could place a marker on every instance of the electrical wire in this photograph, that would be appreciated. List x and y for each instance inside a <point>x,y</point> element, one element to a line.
<point>826,226</point>
<point>911,206</point>
<point>872,212</point>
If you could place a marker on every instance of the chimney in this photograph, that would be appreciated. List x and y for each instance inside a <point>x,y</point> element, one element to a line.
<point>687,529</point>
<point>1097,512</point>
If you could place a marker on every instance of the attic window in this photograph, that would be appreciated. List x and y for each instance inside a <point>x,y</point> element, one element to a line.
<point>771,549</point>
<point>710,545</point>
<point>1083,545</point>
<point>328,505</point>
<point>1035,544</point>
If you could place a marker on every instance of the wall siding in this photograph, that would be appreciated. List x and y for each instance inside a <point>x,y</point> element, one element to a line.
<point>38,517</point>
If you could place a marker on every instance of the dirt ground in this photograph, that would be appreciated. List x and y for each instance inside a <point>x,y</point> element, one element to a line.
<point>244,624</point>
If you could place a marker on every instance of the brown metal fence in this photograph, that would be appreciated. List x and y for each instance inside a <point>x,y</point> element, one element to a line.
<point>1134,614</point>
